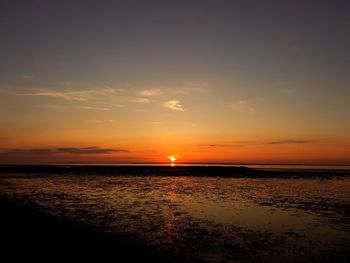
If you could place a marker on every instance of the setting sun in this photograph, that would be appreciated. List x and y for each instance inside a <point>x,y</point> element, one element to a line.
<point>172,158</point>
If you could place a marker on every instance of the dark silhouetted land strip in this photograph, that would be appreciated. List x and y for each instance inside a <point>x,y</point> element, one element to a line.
<point>221,171</point>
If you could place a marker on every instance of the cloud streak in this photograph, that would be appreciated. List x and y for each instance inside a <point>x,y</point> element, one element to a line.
<point>173,105</point>
<point>290,142</point>
<point>249,143</point>
<point>150,92</point>
<point>88,150</point>
<point>93,108</point>
<point>62,150</point>
<point>80,95</point>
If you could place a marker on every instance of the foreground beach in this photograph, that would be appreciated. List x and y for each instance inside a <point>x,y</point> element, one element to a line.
<point>29,234</point>
<point>161,214</point>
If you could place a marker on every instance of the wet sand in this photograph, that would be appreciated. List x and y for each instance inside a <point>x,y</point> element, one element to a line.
<point>29,234</point>
<point>106,214</point>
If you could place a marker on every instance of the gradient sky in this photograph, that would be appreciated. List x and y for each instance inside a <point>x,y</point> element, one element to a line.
<point>206,81</point>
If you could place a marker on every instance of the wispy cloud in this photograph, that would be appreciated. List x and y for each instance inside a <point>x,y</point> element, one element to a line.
<point>56,94</point>
<point>93,108</point>
<point>254,143</point>
<point>88,150</point>
<point>150,92</point>
<point>62,150</point>
<point>217,145</point>
<point>181,89</point>
<point>141,100</point>
<point>79,95</point>
<point>290,142</point>
<point>173,105</point>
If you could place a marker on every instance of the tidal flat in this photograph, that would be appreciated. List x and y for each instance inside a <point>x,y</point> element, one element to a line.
<point>193,218</point>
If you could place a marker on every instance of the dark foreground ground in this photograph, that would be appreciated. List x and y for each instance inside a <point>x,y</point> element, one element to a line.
<point>28,234</point>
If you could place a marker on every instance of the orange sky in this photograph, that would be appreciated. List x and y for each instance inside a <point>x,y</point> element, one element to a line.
<point>207,82</point>
<point>117,127</point>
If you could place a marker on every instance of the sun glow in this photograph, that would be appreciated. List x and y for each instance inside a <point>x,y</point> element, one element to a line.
<point>172,158</point>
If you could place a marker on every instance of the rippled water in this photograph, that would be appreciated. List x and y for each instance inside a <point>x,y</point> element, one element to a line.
<point>207,218</point>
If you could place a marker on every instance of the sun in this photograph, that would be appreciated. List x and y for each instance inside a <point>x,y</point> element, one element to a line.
<point>172,158</point>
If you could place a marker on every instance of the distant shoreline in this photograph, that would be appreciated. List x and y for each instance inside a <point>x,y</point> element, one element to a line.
<point>185,164</point>
<point>198,171</point>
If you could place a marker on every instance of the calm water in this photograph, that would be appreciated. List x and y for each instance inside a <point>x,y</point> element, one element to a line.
<point>212,219</point>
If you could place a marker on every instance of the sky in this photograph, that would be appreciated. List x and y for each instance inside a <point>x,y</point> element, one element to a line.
<point>205,81</point>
